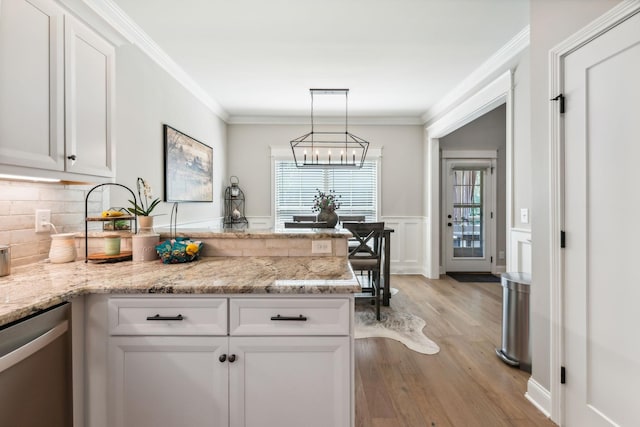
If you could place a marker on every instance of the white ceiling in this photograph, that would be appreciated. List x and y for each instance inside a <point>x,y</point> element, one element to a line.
<point>261,57</point>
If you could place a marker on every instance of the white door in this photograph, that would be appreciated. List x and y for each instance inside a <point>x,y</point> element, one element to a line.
<point>168,381</point>
<point>290,382</point>
<point>468,215</point>
<point>602,207</point>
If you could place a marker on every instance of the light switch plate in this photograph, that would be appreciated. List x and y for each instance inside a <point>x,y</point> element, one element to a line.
<point>321,246</point>
<point>524,216</point>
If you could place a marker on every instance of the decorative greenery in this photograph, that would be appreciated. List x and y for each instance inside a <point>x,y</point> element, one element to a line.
<point>146,206</point>
<point>325,201</point>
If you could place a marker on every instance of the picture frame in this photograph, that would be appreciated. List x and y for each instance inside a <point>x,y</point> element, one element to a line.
<point>188,168</point>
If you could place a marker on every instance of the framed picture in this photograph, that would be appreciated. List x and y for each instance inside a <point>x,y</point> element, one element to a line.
<point>188,168</point>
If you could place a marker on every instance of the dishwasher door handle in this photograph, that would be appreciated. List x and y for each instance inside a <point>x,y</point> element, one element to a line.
<point>33,346</point>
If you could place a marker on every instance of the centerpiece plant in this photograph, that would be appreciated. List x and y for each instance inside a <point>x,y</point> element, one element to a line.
<point>326,204</point>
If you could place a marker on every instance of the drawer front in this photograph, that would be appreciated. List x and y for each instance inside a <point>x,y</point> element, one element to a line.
<point>168,316</point>
<point>289,316</point>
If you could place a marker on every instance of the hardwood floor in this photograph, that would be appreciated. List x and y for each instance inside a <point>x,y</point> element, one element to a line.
<point>465,384</point>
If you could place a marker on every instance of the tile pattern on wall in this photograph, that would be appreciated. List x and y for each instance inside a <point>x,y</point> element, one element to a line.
<point>18,203</point>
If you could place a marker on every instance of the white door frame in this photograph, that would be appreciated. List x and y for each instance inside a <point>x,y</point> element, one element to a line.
<point>496,93</point>
<point>486,158</point>
<point>556,284</point>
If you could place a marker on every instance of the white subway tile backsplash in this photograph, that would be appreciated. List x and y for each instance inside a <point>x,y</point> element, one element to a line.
<point>18,202</point>
<point>14,192</point>
<point>23,236</point>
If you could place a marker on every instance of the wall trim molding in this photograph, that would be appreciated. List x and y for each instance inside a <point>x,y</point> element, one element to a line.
<point>539,396</point>
<point>306,121</point>
<point>597,27</point>
<point>498,60</point>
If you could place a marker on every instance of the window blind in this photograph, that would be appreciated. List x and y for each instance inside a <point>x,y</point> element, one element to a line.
<point>295,188</point>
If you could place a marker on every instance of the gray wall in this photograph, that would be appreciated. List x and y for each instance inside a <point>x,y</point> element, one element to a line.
<point>551,23</point>
<point>487,132</point>
<point>521,176</point>
<point>401,168</point>
<point>146,98</point>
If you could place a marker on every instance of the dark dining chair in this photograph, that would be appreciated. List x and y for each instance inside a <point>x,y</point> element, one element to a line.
<point>351,218</point>
<point>366,255</point>
<point>307,218</point>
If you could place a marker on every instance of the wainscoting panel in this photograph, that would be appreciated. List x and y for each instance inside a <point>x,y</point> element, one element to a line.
<point>520,251</point>
<point>407,244</point>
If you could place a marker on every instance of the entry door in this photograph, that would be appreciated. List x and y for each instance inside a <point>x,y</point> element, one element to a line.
<point>602,210</point>
<point>468,216</point>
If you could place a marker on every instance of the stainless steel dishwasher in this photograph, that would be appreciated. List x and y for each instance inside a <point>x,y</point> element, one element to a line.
<point>35,370</point>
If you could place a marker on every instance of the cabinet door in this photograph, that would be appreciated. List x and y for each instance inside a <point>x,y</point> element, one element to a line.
<point>31,84</point>
<point>168,381</point>
<point>290,382</point>
<point>89,81</point>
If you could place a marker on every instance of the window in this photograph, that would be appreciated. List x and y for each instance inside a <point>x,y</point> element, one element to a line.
<point>295,188</point>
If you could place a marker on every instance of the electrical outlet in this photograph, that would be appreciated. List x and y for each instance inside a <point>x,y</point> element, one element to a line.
<point>321,246</point>
<point>524,216</point>
<point>43,219</point>
<point>501,255</point>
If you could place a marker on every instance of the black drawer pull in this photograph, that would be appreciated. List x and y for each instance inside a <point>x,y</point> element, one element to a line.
<point>232,358</point>
<point>300,318</point>
<point>158,317</point>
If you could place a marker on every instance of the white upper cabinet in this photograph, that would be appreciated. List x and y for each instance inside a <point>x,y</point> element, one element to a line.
<point>31,84</point>
<point>56,93</point>
<point>89,70</point>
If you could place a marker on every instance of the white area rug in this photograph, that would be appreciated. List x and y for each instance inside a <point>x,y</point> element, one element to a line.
<point>395,324</point>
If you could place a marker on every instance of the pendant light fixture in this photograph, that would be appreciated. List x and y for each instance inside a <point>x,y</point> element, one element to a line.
<point>323,149</point>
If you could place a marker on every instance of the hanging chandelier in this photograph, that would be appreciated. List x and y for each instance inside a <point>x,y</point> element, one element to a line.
<point>329,149</point>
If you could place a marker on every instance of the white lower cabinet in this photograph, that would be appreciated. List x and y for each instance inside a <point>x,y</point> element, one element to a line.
<point>290,382</point>
<point>168,381</point>
<point>167,367</point>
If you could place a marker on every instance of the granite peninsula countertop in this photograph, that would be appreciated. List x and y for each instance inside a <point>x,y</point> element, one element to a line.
<point>277,233</point>
<point>34,287</point>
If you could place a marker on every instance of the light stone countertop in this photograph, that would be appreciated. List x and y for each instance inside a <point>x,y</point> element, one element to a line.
<point>34,287</point>
<point>284,233</point>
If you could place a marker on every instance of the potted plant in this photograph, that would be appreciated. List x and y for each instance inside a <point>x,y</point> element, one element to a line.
<point>326,204</point>
<point>146,206</point>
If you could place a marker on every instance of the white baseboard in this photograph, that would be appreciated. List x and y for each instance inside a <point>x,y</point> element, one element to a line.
<point>539,396</point>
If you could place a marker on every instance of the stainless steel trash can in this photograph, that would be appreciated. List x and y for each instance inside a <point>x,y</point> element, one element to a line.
<point>516,343</point>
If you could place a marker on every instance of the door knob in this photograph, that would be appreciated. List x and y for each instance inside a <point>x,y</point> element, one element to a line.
<point>232,358</point>
<point>222,357</point>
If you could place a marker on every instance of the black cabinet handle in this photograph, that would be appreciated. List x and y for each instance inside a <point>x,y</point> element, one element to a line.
<point>222,357</point>
<point>449,224</point>
<point>300,318</point>
<point>158,317</point>
<point>72,157</point>
<point>232,358</point>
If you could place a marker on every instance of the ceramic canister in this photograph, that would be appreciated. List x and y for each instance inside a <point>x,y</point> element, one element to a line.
<point>144,246</point>
<point>112,244</point>
<point>63,248</point>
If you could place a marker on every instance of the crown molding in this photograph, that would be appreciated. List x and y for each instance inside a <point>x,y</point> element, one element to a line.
<point>116,18</point>
<point>492,66</point>
<point>305,120</point>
